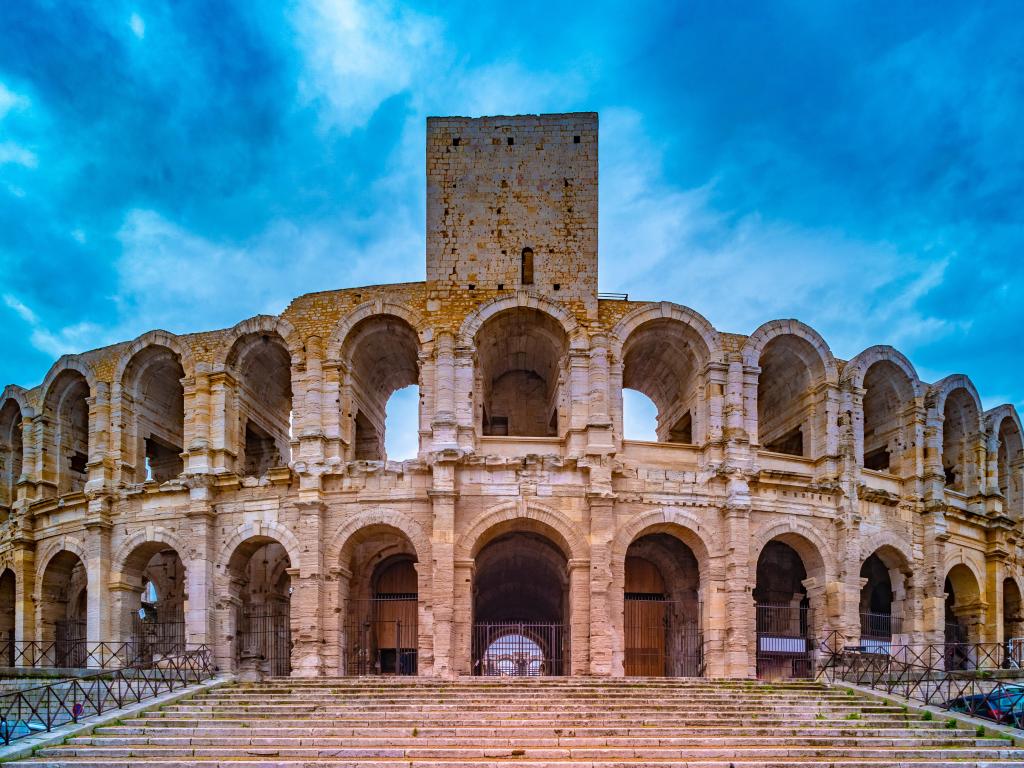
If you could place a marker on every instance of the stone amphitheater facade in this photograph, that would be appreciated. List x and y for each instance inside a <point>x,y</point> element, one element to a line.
<point>218,480</point>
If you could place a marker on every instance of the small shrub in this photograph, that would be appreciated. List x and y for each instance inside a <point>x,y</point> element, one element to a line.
<point>951,723</point>
<point>927,716</point>
<point>980,731</point>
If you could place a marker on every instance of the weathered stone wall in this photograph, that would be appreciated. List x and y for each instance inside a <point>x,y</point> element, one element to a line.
<point>308,530</point>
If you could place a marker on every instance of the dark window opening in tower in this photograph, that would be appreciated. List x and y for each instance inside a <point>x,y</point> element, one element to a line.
<point>527,266</point>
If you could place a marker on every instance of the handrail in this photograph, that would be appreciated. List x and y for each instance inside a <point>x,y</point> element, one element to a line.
<point>103,654</point>
<point>45,707</point>
<point>981,679</point>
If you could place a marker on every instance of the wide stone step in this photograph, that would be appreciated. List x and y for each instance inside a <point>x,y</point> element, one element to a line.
<point>769,762</point>
<point>530,753</point>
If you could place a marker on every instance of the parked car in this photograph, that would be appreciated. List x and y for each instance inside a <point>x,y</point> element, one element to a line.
<point>1003,704</point>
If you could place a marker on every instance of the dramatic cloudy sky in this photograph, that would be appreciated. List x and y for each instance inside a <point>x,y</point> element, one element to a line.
<point>184,165</point>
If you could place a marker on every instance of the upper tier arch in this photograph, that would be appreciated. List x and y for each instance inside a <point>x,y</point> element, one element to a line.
<point>855,370</point>
<point>475,319</point>
<point>372,308</point>
<point>774,328</point>
<point>666,310</point>
<point>261,324</point>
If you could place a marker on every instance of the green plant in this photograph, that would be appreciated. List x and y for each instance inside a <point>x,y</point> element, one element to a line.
<point>951,723</point>
<point>853,716</point>
<point>979,731</point>
<point>927,716</point>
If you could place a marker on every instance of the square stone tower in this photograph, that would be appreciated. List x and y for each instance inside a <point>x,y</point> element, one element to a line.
<point>512,203</point>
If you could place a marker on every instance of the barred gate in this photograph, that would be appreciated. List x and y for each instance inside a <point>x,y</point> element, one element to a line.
<point>785,647</point>
<point>520,649</point>
<point>70,647</point>
<point>661,640</point>
<point>381,636</point>
<point>265,632</point>
<point>154,638</point>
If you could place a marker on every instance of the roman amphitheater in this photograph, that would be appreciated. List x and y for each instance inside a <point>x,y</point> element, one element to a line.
<point>231,487</point>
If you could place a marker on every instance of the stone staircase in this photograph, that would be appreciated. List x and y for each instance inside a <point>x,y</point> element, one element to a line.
<point>410,723</point>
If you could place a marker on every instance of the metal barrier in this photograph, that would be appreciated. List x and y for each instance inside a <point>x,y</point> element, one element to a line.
<point>520,649</point>
<point>784,645</point>
<point>265,632</point>
<point>75,654</point>
<point>382,636</point>
<point>981,679</point>
<point>42,708</point>
<point>662,637</point>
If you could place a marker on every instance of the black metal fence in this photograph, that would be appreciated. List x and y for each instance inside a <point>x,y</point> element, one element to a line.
<point>381,636</point>
<point>785,647</point>
<point>981,679</point>
<point>520,649</point>
<point>662,637</point>
<point>45,707</point>
<point>72,654</point>
<point>264,634</point>
<point>155,638</point>
<point>69,645</point>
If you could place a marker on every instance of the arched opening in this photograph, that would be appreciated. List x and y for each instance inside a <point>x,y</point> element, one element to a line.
<point>262,367</point>
<point>151,611</point>
<point>521,607</point>
<point>881,599</point>
<point>887,391</point>
<point>520,376</point>
<point>383,356</point>
<point>787,402</point>
<point>661,621</point>
<point>11,456</point>
<point>959,434</point>
<point>1010,467</point>
<point>664,360</point>
<point>67,408</point>
<point>380,603</point>
<point>1013,622</point>
<point>639,416</point>
<point>154,415</point>
<point>63,610</point>
<point>783,607</point>
<point>261,588</point>
<point>8,607</point>
<point>964,616</point>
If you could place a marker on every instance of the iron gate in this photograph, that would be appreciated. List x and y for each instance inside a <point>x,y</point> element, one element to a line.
<point>152,637</point>
<point>70,650</point>
<point>784,644</point>
<point>661,639</point>
<point>520,649</point>
<point>264,631</point>
<point>381,636</point>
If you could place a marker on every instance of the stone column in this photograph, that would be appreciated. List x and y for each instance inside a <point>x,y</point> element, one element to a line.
<point>223,422</point>
<point>199,566</point>
<point>741,627</point>
<point>97,567</point>
<point>100,462</point>
<point>460,655</point>
<point>307,594</point>
<point>605,622</point>
<point>444,427</point>
<point>580,619</point>
<point>24,556</point>
<point>465,401</point>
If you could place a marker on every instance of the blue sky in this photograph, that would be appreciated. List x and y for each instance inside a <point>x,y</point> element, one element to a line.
<point>184,165</point>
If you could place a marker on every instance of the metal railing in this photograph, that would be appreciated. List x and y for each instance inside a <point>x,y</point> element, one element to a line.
<point>42,708</point>
<point>382,636</point>
<point>981,679</point>
<point>78,654</point>
<point>520,649</point>
<point>662,637</point>
<point>784,645</point>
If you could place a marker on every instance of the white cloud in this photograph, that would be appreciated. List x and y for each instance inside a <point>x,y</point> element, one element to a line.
<point>21,309</point>
<point>9,100</point>
<point>14,154</point>
<point>360,54</point>
<point>138,26</point>
<point>59,341</point>
<point>662,242</point>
